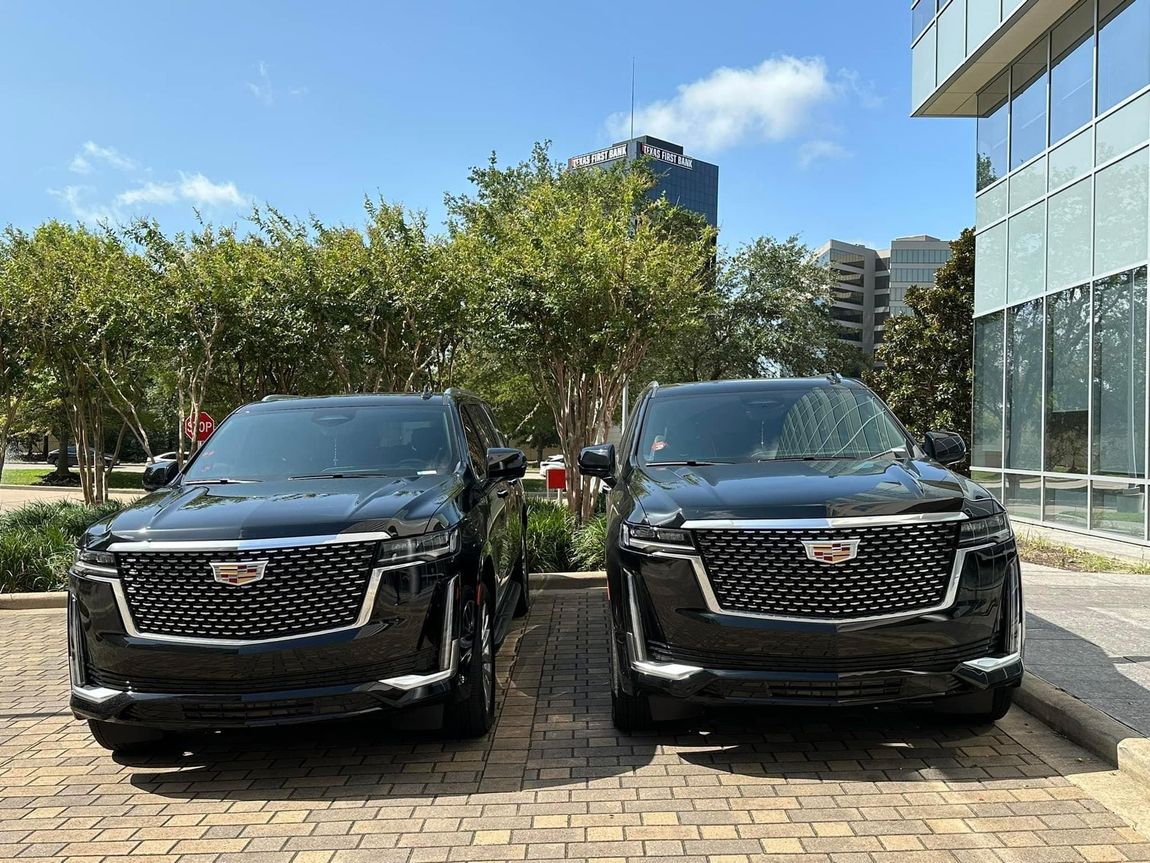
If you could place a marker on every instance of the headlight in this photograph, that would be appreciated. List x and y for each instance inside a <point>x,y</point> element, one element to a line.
<point>95,562</point>
<point>980,531</point>
<point>426,547</point>
<point>644,538</point>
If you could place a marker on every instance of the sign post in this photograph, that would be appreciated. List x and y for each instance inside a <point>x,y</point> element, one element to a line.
<point>199,428</point>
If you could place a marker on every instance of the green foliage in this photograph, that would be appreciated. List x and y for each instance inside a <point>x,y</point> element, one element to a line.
<point>37,543</point>
<point>768,314</point>
<point>117,479</point>
<point>925,358</point>
<point>589,545</point>
<point>550,527</point>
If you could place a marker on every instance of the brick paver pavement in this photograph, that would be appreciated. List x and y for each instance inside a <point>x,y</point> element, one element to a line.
<point>553,781</point>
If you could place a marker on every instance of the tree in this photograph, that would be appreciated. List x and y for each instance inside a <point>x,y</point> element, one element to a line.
<point>15,361</point>
<point>767,315</point>
<point>578,274</point>
<point>925,357</point>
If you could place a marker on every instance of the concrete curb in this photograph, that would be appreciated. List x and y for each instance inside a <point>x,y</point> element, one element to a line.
<point>548,581</point>
<point>21,601</point>
<point>1098,732</point>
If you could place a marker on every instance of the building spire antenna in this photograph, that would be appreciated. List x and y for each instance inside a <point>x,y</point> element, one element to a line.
<point>632,97</point>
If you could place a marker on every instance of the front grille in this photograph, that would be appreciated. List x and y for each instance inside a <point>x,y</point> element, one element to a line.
<point>178,684</point>
<point>822,690</point>
<point>937,659</point>
<point>243,712</point>
<point>304,589</point>
<point>899,568</point>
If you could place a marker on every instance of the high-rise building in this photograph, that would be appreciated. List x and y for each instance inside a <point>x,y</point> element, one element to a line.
<point>1060,91</point>
<point>870,284</point>
<point>686,181</point>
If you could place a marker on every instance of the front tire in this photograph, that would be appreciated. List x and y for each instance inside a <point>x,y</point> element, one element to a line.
<point>131,739</point>
<point>475,714</point>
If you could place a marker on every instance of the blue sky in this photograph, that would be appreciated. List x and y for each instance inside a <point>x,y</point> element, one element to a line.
<point>112,113</point>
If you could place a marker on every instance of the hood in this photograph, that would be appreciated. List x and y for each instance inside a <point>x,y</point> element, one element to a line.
<point>284,508</point>
<point>799,489</point>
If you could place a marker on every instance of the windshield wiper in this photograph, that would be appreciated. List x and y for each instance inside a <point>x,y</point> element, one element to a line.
<point>342,475</point>
<point>689,462</point>
<point>221,481</point>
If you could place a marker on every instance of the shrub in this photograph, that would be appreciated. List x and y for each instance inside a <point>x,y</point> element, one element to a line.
<point>589,544</point>
<point>550,527</point>
<point>37,541</point>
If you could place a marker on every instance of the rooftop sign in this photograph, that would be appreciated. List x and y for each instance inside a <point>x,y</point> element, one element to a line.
<point>669,157</point>
<point>598,157</point>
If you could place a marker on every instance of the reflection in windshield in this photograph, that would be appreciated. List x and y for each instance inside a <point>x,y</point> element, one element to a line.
<point>327,442</point>
<point>824,422</point>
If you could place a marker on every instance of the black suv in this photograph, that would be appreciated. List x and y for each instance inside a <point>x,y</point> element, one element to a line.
<point>787,542</point>
<point>316,558</point>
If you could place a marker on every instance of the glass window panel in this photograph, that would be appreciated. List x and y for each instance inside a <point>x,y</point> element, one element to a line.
<point>1026,264</point>
<point>1065,501</point>
<point>1068,247</point>
<point>986,429</point>
<point>920,17</point>
<point>1120,213</point>
<point>1120,374</point>
<point>1067,379</point>
<point>1071,160</point>
<point>1028,185</point>
<point>1022,495</point>
<point>989,480</point>
<point>1123,58</point>
<point>992,129</point>
<point>951,38</point>
<point>1072,72</point>
<point>1024,386</point>
<point>1028,106</point>
<point>982,17</point>
<point>1119,508</point>
<point>1009,6</point>
<point>923,63</point>
<point>1125,128</point>
<point>990,269</point>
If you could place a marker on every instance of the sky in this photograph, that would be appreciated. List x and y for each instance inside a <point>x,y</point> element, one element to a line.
<point>109,112</point>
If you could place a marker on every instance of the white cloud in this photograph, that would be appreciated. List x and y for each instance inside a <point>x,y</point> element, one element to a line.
<point>821,150</point>
<point>193,188</point>
<point>75,199</point>
<point>262,88</point>
<point>92,152</point>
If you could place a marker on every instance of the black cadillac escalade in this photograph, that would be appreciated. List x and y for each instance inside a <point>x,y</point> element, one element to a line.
<point>316,558</point>
<point>787,542</point>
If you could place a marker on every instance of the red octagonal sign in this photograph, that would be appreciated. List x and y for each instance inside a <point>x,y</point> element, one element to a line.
<point>199,428</point>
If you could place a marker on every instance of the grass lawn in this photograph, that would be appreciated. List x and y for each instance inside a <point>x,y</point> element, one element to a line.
<point>1045,553</point>
<point>31,476</point>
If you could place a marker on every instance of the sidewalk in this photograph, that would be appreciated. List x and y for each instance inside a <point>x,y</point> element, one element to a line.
<point>1089,633</point>
<point>12,496</point>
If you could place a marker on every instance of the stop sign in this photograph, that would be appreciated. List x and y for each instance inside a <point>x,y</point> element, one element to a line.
<point>199,428</point>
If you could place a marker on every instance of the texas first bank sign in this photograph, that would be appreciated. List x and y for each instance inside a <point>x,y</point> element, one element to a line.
<point>619,151</point>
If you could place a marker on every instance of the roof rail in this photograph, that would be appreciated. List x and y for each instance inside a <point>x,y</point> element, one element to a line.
<point>278,397</point>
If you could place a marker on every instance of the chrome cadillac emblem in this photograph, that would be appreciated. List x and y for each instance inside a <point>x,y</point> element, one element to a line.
<point>831,551</point>
<point>238,574</point>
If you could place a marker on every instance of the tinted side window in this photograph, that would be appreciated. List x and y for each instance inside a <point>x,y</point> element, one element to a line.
<point>475,446</point>
<point>486,423</point>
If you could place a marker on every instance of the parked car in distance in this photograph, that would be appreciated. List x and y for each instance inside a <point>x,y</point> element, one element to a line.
<point>550,463</point>
<point>317,558</point>
<point>167,456</point>
<point>74,458</point>
<point>787,542</point>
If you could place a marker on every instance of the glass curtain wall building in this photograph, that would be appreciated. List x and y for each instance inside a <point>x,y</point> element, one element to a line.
<point>1061,95</point>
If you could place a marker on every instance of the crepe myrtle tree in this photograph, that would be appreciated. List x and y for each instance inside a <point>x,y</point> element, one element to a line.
<point>578,273</point>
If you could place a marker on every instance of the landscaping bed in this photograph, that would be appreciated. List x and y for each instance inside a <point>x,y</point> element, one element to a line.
<point>37,542</point>
<point>117,479</point>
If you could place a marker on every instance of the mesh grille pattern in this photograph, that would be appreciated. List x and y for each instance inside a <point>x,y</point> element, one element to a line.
<point>899,568</point>
<point>304,589</point>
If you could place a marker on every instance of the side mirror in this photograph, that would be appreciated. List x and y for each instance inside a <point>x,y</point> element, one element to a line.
<point>945,447</point>
<point>505,463</point>
<point>158,474</point>
<point>598,460</point>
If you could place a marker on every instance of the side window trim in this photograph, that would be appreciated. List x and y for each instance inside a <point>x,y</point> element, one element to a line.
<point>471,429</point>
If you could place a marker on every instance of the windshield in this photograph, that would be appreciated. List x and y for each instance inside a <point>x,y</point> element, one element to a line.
<point>768,425</point>
<point>306,443</point>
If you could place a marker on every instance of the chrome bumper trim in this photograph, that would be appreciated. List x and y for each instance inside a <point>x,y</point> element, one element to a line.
<point>992,663</point>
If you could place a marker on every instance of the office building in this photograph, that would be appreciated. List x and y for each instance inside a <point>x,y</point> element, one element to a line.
<point>687,182</point>
<point>871,285</point>
<point>1060,91</point>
